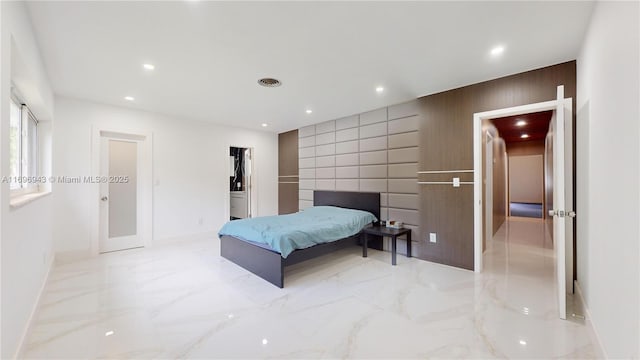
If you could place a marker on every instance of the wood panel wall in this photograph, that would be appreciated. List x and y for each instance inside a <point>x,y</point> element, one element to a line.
<point>524,148</point>
<point>548,188</point>
<point>288,172</point>
<point>446,143</point>
<point>499,179</point>
<point>499,184</point>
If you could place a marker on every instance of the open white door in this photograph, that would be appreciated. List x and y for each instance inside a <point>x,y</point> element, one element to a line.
<point>120,210</point>
<point>562,198</point>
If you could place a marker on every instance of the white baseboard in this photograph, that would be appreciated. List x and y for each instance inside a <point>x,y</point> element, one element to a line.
<point>34,310</point>
<point>65,257</point>
<point>588,318</point>
<point>179,238</point>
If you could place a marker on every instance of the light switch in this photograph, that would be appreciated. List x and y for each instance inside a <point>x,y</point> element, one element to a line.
<point>432,237</point>
<point>456,182</point>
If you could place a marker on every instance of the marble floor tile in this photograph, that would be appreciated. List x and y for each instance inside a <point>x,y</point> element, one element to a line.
<point>183,300</point>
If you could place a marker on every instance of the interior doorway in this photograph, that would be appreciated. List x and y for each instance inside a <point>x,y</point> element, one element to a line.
<point>524,137</point>
<point>240,182</point>
<point>122,163</point>
<point>515,173</point>
<point>560,189</point>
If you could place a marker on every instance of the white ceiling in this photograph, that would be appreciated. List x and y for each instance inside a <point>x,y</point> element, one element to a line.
<point>330,56</point>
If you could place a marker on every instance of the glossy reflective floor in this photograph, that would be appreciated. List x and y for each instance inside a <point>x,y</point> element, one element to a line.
<point>184,301</point>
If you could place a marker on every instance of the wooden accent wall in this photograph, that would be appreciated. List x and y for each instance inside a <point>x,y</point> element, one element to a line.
<point>499,184</point>
<point>499,179</point>
<point>288,172</point>
<point>524,148</point>
<point>548,190</point>
<point>446,143</point>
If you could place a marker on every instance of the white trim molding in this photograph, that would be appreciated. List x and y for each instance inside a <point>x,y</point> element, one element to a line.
<point>477,164</point>
<point>146,181</point>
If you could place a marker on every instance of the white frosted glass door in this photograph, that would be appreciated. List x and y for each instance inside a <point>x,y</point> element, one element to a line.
<point>119,186</point>
<point>123,163</point>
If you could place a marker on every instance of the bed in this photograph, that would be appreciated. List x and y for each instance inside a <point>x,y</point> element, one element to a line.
<point>269,264</point>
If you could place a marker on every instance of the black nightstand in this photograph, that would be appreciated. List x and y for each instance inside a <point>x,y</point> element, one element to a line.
<point>386,231</point>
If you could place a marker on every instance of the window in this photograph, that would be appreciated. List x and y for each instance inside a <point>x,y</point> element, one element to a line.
<point>23,149</point>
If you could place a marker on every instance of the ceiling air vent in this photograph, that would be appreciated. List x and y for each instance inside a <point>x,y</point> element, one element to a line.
<point>269,82</point>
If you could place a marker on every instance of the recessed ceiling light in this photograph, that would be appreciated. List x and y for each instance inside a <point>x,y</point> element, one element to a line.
<point>379,89</point>
<point>109,333</point>
<point>129,98</point>
<point>497,50</point>
<point>265,124</point>
<point>524,136</point>
<point>265,341</point>
<point>269,82</point>
<point>148,66</point>
<point>521,123</point>
<point>309,111</point>
<point>522,342</point>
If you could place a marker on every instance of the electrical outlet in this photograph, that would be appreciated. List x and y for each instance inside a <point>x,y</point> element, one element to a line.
<point>200,221</point>
<point>432,237</point>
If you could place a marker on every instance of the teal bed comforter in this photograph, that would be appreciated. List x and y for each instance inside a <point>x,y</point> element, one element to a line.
<point>312,226</point>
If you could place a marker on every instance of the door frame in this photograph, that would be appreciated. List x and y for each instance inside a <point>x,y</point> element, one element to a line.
<point>477,161</point>
<point>253,185</point>
<point>145,179</point>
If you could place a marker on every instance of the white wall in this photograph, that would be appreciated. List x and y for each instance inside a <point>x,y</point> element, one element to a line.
<point>190,171</point>
<point>608,176</point>
<point>26,240</point>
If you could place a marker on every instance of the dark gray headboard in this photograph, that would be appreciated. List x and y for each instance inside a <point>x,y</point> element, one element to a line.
<point>367,201</point>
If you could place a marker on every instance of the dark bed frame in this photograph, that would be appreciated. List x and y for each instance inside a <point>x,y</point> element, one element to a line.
<point>269,264</point>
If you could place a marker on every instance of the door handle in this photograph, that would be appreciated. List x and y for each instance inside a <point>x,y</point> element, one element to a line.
<point>104,198</point>
<point>558,213</point>
<point>562,213</point>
